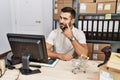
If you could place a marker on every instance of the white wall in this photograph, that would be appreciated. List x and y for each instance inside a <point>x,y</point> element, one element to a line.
<point>8,18</point>
<point>5,25</point>
<point>25,22</point>
<point>48,16</point>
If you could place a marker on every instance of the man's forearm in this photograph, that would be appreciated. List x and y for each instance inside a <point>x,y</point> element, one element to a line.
<point>80,49</point>
<point>52,54</point>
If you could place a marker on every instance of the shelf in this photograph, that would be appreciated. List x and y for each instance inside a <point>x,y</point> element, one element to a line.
<point>100,22</point>
<point>102,41</point>
<point>113,15</point>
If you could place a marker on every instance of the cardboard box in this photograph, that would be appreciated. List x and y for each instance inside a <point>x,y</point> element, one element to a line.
<point>67,5</point>
<point>118,1</point>
<point>90,50</point>
<point>106,8</point>
<point>118,8</point>
<point>56,16</point>
<point>87,8</point>
<point>85,1</point>
<point>97,48</point>
<point>68,1</point>
<point>57,9</point>
<point>59,1</point>
<point>100,56</point>
<point>105,1</point>
<point>106,73</point>
<point>114,61</point>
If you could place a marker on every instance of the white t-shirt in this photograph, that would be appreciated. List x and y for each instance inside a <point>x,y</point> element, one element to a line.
<point>61,44</point>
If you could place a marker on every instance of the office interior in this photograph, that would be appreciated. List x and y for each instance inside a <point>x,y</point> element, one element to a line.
<point>99,19</point>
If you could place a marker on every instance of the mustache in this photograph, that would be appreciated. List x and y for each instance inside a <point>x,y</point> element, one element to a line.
<point>61,24</point>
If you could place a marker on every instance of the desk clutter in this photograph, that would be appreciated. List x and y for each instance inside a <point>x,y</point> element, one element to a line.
<point>2,67</point>
<point>85,69</point>
<point>80,64</point>
<point>107,73</point>
<point>111,70</point>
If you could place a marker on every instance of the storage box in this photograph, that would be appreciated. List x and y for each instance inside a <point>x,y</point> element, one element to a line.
<point>100,56</point>
<point>90,50</point>
<point>58,7</point>
<point>67,5</point>
<point>85,1</point>
<point>118,1</point>
<point>56,16</point>
<point>106,8</point>
<point>68,1</point>
<point>97,48</point>
<point>87,8</point>
<point>105,1</point>
<point>106,73</point>
<point>59,1</point>
<point>118,8</point>
<point>114,61</point>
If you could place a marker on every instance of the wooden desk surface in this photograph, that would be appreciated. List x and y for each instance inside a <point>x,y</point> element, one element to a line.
<point>62,71</point>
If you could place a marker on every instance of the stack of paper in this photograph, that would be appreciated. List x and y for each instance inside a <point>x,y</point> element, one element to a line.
<point>114,61</point>
<point>49,64</point>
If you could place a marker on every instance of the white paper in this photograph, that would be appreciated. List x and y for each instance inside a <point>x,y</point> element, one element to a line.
<point>110,26</point>
<point>96,46</point>
<point>56,5</point>
<point>105,75</point>
<point>116,26</point>
<point>82,7</point>
<point>95,56</point>
<point>85,26</point>
<point>105,26</point>
<point>95,27</point>
<point>100,6</point>
<point>79,25</point>
<point>55,11</point>
<point>89,25</point>
<point>107,7</point>
<point>118,8</point>
<point>44,64</point>
<point>100,26</point>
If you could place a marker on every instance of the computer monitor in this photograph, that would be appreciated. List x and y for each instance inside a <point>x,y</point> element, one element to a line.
<point>26,47</point>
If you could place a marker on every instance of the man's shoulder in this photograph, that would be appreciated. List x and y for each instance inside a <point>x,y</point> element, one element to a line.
<point>56,30</point>
<point>77,30</point>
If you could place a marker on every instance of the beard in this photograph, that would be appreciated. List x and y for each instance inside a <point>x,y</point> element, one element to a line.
<point>64,26</point>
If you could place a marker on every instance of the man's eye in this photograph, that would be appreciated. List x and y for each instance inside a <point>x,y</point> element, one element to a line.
<point>65,18</point>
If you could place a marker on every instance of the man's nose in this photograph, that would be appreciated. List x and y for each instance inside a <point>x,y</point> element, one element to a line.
<point>61,21</point>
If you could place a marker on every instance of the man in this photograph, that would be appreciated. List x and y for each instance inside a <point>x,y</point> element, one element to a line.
<point>67,40</point>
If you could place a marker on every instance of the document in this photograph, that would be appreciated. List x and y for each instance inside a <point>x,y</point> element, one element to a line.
<point>51,63</point>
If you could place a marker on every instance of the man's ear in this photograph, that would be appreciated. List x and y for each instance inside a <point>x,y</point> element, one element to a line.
<point>73,21</point>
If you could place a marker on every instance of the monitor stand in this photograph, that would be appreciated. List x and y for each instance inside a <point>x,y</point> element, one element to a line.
<point>25,65</point>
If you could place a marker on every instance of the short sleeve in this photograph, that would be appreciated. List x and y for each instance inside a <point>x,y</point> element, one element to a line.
<point>50,38</point>
<point>81,37</point>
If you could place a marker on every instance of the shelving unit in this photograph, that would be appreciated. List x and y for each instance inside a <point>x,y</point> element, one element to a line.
<point>110,36</point>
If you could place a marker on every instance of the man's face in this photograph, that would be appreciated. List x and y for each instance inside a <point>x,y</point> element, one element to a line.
<point>65,18</point>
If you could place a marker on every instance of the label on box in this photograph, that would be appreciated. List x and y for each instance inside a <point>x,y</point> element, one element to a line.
<point>108,16</point>
<point>107,7</point>
<point>105,75</point>
<point>118,8</point>
<point>56,5</point>
<point>100,6</point>
<point>95,57</point>
<point>82,7</point>
<point>55,11</point>
<point>96,47</point>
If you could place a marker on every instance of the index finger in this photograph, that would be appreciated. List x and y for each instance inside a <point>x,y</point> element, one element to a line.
<point>68,26</point>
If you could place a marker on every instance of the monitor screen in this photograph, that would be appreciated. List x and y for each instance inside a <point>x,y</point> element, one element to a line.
<point>34,45</point>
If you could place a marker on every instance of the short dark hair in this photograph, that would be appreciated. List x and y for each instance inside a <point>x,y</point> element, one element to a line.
<point>69,10</point>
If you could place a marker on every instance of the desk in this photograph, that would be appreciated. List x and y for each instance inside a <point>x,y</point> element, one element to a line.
<point>62,71</point>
